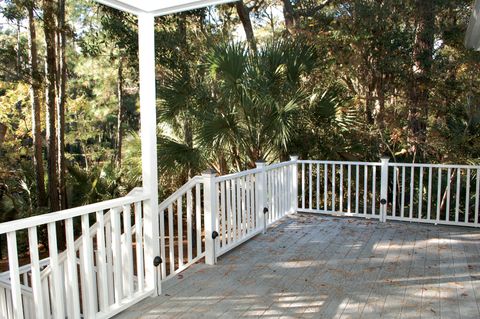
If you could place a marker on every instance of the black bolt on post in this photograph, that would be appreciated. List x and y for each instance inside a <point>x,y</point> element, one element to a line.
<point>156,262</point>
<point>214,236</point>
<point>265,212</point>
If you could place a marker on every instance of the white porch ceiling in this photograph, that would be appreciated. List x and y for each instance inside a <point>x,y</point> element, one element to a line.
<point>472,38</point>
<point>159,7</point>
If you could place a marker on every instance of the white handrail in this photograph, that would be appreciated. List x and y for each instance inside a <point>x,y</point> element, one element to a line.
<point>69,213</point>
<point>170,199</point>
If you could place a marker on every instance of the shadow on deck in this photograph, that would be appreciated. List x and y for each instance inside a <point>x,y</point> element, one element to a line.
<point>312,266</point>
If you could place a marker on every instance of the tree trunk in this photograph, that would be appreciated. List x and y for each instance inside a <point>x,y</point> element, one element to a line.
<point>51,72</point>
<point>289,16</point>
<point>36,111</point>
<point>19,54</point>
<point>61,85</point>
<point>244,15</point>
<point>422,63</point>
<point>120,113</point>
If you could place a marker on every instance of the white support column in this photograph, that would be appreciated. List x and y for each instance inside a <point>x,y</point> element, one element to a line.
<point>384,189</point>
<point>294,186</point>
<point>148,122</point>
<point>210,215</point>
<point>261,195</point>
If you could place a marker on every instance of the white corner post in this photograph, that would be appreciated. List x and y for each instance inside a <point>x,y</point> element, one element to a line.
<point>384,189</point>
<point>294,185</point>
<point>210,214</point>
<point>148,134</point>
<point>261,195</point>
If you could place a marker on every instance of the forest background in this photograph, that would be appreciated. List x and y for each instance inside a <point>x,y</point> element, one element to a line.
<point>236,83</point>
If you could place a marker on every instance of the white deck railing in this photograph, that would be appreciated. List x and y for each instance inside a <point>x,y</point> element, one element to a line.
<point>95,273</point>
<point>426,193</point>
<point>100,268</point>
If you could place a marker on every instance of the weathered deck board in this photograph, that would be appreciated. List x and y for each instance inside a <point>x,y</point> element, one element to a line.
<point>311,266</point>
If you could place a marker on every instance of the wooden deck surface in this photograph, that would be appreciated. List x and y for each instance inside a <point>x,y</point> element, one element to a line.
<point>311,266</point>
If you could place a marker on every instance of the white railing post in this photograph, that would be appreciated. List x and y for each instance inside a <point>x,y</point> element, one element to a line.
<point>384,189</point>
<point>210,216</point>
<point>294,185</point>
<point>148,134</point>
<point>261,195</point>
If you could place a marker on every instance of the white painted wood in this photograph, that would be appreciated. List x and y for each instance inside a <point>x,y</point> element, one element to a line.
<point>303,185</point>
<point>429,193</point>
<point>294,181</point>
<point>325,187</point>
<point>180,230</point>
<point>333,187</point>
<point>410,204</point>
<point>439,193</point>
<point>349,194</point>
<point>57,292</point>
<point>162,244</point>
<point>248,205</point>
<point>3,303</point>
<point>261,193</point>
<point>16,294</point>
<point>394,195</point>
<point>420,194</point>
<point>109,251</point>
<point>318,186</point>
<point>139,247</point>
<point>402,204</point>
<point>117,254</point>
<point>384,188</point>
<point>44,219</point>
<point>198,218</point>
<point>233,195</point>
<point>101,263</point>
<point>239,230</point>
<point>89,275</point>
<point>365,189</point>
<point>159,8</point>
<point>477,197</point>
<point>449,175</point>
<point>243,206</point>
<point>171,239</point>
<point>189,224</point>
<point>223,211</point>
<point>310,188</point>
<point>357,189</point>
<point>35,269</point>
<point>341,187</point>
<point>209,215</point>
<point>228,194</point>
<point>467,196</point>
<point>128,249</point>
<point>457,195</point>
<point>374,189</point>
<point>148,134</point>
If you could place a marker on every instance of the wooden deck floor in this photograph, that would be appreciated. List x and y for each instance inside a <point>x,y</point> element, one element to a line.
<point>310,266</point>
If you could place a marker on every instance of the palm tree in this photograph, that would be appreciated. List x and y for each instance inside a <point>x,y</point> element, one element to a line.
<point>243,105</point>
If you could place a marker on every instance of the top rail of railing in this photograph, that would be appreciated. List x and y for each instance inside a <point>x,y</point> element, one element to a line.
<point>34,221</point>
<point>391,164</point>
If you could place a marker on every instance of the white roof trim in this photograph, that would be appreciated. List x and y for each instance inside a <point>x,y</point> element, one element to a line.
<point>472,38</point>
<point>159,7</point>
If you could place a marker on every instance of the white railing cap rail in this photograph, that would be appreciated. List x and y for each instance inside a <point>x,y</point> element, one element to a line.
<point>70,213</point>
<point>170,199</point>
<point>340,162</point>
<point>237,175</point>
<point>393,164</point>
<point>277,165</point>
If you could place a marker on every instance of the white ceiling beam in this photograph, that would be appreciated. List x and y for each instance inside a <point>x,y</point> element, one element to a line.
<point>159,8</point>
